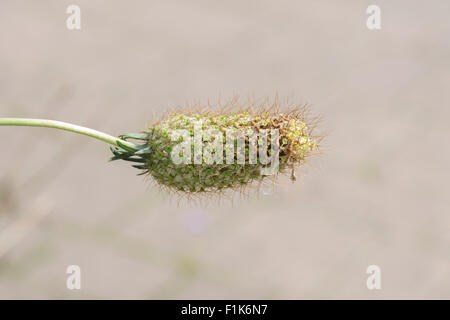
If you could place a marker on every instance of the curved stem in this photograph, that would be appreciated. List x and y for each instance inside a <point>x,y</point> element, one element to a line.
<point>65,126</point>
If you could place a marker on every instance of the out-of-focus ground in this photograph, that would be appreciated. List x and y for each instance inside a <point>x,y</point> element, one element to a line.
<point>379,194</point>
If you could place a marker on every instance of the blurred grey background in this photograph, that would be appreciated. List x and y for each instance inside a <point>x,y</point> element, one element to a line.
<point>379,194</point>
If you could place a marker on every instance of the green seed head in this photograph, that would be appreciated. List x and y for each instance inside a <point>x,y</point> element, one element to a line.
<point>199,152</point>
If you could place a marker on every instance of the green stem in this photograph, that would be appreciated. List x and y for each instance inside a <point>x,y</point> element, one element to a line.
<point>65,126</point>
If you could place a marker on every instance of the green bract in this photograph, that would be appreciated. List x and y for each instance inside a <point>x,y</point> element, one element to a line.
<point>169,152</point>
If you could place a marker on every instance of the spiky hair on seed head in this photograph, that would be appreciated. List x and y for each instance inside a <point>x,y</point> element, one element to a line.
<point>193,176</point>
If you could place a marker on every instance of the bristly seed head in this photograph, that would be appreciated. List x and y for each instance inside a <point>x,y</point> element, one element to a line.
<point>289,136</point>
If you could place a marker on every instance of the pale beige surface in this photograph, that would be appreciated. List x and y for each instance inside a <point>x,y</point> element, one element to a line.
<point>379,195</point>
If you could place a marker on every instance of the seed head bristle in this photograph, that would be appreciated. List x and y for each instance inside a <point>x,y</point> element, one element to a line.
<point>288,127</point>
